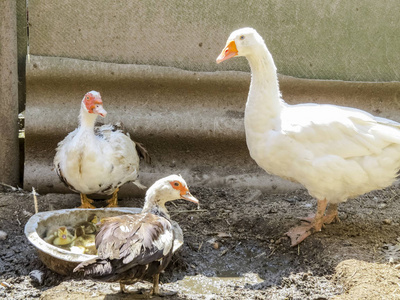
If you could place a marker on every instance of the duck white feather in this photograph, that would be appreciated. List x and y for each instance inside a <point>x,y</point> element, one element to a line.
<point>335,152</point>
<point>96,159</point>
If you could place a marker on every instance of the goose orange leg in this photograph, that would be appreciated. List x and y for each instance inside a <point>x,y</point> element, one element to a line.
<point>300,233</point>
<point>113,201</point>
<point>86,202</point>
<point>331,215</point>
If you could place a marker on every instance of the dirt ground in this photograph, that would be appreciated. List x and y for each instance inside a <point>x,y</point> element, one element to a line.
<point>234,248</point>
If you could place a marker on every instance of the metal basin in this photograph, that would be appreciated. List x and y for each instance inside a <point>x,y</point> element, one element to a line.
<point>63,261</point>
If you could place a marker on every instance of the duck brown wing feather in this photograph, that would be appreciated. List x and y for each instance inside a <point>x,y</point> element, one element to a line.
<point>142,152</point>
<point>125,243</point>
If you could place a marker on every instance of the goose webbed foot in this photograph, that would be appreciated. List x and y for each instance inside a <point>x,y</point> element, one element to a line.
<point>312,224</point>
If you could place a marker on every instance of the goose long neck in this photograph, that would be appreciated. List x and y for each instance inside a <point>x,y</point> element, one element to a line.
<point>264,102</point>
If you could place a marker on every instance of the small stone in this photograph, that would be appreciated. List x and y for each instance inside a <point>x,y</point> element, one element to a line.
<point>5,284</point>
<point>27,213</point>
<point>293,200</point>
<point>216,245</point>
<point>8,254</point>
<point>37,276</point>
<point>3,235</point>
<point>382,205</point>
<point>387,221</point>
<point>254,196</point>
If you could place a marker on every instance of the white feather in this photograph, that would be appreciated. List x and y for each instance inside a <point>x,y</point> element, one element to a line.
<point>93,163</point>
<point>335,152</point>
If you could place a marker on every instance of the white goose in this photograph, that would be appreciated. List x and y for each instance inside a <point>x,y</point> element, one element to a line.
<point>335,152</point>
<point>97,160</point>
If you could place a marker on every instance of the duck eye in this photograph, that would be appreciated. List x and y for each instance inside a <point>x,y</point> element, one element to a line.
<point>242,37</point>
<point>87,97</point>
<point>176,183</point>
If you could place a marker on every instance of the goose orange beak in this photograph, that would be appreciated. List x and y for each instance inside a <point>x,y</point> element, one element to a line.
<point>229,51</point>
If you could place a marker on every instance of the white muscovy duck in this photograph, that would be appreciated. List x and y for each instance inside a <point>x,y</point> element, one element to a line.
<point>138,247</point>
<point>336,152</point>
<point>97,160</point>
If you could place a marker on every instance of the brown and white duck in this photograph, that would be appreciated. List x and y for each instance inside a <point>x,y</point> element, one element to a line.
<point>138,247</point>
<point>97,160</point>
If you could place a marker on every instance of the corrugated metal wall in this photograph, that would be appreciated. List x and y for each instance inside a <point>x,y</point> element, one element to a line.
<point>154,63</point>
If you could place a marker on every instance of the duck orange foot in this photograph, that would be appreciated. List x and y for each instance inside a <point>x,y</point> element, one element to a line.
<point>113,201</point>
<point>86,202</point>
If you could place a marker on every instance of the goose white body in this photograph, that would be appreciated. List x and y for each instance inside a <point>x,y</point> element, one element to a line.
<point>336,152</point>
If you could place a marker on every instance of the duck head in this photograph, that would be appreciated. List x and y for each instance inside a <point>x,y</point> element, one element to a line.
<point>166,189</point>
<point>241,42</point>
<point>92,104</point>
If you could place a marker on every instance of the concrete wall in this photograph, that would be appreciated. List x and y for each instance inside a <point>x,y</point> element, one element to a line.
<point>154,64</point>
<point>325,39</point>
<point>9,148</point>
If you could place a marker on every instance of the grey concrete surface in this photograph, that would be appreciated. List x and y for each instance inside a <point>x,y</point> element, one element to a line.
<point>9,147</point>
<point>22,43</point>
<point>191,122</point>
<point>325,39</point>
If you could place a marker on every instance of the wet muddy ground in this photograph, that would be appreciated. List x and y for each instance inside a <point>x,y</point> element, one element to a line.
<point>235,248</point>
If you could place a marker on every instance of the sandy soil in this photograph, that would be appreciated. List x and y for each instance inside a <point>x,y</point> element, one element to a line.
<point>234,248</point>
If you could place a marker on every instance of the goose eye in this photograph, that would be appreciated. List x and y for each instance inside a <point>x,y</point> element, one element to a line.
<point>242,37</point>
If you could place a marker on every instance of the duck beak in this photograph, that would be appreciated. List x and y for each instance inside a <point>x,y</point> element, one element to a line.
<point>100,111</point>
<point>189,197</point>
<point>229,51</point>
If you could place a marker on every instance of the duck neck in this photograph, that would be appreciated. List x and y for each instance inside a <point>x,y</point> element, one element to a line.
<point>87,120</point>
<point>264,102</point>
<point>154,206</point>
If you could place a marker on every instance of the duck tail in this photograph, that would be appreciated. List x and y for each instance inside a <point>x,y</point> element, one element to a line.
<point>96,267</point>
